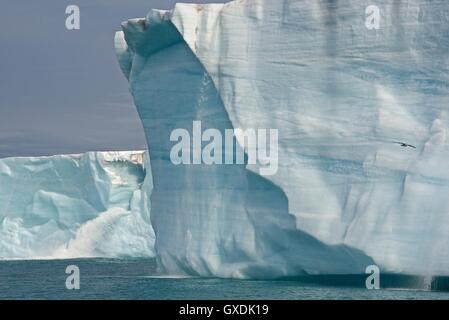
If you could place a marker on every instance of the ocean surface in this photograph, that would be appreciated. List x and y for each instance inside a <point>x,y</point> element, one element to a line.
<point>138,279</point>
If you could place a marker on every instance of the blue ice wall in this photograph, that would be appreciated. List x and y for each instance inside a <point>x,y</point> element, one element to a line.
<point>210,220</point>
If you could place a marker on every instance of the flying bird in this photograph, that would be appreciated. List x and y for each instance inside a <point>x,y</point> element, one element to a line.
<point>403,144</point>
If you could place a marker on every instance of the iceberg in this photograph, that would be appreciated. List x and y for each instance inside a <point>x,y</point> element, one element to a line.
<point>362,121</point>
<point>68,206</point>
<point>360,175</point>
<point>210,219</point>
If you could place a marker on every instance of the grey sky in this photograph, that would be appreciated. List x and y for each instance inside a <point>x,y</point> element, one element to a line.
<point>62,91</point>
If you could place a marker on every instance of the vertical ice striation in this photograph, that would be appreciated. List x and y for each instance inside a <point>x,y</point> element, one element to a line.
<point>210,220</point>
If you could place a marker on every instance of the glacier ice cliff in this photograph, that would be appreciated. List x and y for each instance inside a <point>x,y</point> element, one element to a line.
<point>210,219</point>
<point>362,116</point>
<point>87,205</point>
<point>346,101</point>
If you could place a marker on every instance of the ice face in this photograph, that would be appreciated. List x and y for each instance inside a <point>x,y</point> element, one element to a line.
<point>210,219</point>
<point>89,205</point>
<point>362,114</point>
<point>362,119</point>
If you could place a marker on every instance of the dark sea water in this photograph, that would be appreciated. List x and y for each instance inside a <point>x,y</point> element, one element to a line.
<point>137,279</point>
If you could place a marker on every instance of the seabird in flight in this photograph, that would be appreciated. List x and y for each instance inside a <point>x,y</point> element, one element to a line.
<point>403,144</point>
